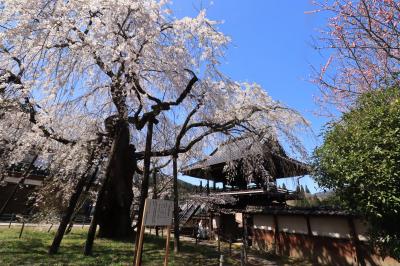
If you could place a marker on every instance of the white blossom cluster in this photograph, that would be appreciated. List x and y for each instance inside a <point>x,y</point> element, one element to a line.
<point>65,66</point>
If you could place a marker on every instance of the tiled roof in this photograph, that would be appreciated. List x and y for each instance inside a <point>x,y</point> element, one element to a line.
<point>244,147</point>
<point>287,210</point>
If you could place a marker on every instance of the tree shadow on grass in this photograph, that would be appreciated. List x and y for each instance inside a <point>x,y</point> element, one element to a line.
<point>32,249</point>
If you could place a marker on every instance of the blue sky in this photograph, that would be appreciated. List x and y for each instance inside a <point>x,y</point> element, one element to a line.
<point>271,45</point>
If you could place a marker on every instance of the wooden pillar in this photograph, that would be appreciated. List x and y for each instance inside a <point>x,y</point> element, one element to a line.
<point>356,241</point>
<point>245,236</point>
<point>276,234</point>
<point>218,232</point>
<point>223,185</point>
<point>155,194</point>
<point>211,226</point>
<point>208,186</point>
<point>214,186</point>
<point>308,226</point>
<point>310,237</point>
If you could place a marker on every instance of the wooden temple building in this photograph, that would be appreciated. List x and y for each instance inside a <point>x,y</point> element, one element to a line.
<point>16,187</point>
<point>250,207</point>
<point>248,170</point>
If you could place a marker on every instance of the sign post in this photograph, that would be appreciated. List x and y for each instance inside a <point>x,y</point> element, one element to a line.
<point>156,213</point>
<point>167,245</point>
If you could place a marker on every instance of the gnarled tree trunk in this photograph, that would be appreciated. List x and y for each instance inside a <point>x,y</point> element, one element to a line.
<point>114,213</point>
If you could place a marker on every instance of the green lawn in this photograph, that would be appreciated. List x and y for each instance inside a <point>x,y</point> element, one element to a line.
<point>32,249</point>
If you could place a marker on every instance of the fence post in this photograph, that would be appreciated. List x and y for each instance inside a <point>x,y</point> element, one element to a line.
<point>242,263</point>
<point>48,231</point>
<point>219,242</point>
<point>221,260</point>
<point>11,219</point>
<point>22,228</point>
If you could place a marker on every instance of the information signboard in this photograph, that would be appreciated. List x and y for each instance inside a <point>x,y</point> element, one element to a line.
<point>158,212</point>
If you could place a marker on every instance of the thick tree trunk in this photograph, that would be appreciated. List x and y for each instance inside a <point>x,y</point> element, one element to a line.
<point>144,190</point>
<point>105,201</point>
<point>114,211</point>
<point>176,203</point>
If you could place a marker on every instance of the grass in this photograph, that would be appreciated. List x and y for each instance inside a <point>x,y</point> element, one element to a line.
<point>32,248</point>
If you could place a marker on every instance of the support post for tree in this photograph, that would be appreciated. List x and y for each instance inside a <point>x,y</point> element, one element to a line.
<point>66,218</point>
<point>155,192</point>
<point>144,190</point>
<point>138,251</point>
<point>93,223</point>
<point>100,196</point>
<point>176,203</point>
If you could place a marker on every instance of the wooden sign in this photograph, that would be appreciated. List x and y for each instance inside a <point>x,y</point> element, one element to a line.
<point>158,212</point>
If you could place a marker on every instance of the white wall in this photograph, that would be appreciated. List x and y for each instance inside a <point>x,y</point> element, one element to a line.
<point>329,226</point>
<point>336,227</point>
<point>265,222</point>
<point>293,224</point>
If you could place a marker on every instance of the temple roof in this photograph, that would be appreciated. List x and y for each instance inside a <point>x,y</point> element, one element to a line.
<point>278,163</point>
<point>289,210</point>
